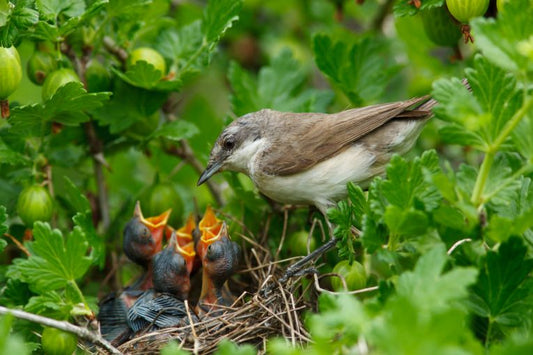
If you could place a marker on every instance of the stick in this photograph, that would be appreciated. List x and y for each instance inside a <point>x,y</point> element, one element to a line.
<point>65,326</point>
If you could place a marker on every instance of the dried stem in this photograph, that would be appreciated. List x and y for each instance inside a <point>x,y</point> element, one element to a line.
<point>64,326</point>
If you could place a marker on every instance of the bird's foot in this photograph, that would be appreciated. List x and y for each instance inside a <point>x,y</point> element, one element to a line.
<point>297,269</point>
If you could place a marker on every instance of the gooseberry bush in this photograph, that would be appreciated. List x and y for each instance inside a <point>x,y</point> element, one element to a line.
<point>108,102</point>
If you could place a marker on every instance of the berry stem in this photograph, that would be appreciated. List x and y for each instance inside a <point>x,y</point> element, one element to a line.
<point>4,104</point>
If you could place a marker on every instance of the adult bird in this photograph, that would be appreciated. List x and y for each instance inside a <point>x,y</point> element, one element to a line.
<point>163,306</point>
<point>220,258</point>
<point>308,158</point>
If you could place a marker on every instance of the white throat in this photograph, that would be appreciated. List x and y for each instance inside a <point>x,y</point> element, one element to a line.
<point>243,157</point>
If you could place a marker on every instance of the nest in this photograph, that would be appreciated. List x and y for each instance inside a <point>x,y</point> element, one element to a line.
<point>264,309</point>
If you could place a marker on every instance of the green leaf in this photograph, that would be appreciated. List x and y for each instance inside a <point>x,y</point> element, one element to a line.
<point>75,197</point>
<point>19,19</point>
<point>430,289</point>
<point>50,304</point>
<point>68,106</point>
<point>278,86</point>
<point>500,39</point>
<point>180,45</point>
<point>361,70</point>
<point>11,343</point>
<point>407,7</point>
<point>482,113</point>
<point>219,16</point>
<point>227,347</point>
<point>405,222</point>
<point>3,227</point>
<point>54,262</point>
<point>50,9</point>
<point>406,185</point>
<point>503,290</point>
<point>176,130</point>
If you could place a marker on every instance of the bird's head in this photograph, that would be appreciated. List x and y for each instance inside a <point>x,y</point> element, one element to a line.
<point>236,145</point>
<point>220,256</point>
<point>172,268</point>
<point>143,237</point>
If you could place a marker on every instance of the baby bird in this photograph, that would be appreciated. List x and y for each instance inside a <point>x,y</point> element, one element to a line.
<point>220,258</point>
<point>163,306</point>
<point>142,240</point>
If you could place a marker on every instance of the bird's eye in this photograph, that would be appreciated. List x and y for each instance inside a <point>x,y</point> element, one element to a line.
<point>229,143</point>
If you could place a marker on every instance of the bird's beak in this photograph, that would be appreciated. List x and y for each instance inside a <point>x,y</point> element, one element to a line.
<point>210,170</point>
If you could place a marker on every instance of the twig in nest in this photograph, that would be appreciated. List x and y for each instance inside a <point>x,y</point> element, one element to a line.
<point>65,326</point>
<point>354,292</point>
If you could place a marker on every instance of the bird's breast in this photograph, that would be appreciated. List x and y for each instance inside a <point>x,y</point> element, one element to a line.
<point>322,184</point>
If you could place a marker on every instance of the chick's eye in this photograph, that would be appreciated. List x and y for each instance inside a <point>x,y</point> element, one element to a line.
<point>229,143</point>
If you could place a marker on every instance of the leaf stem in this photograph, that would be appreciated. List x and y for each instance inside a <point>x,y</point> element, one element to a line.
<point>477,195</point>
<point>482,178</point>
<point>512,123</point>
<point>195,55</point>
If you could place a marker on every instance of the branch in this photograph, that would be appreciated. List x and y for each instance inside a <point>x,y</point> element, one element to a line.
<point>185,152</point>
<point>118,52</point>
<point>95,146</point>
<point>64,326</point>
<point>377,22</point>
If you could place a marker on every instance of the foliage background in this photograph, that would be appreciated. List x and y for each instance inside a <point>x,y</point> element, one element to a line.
<point>301,55</point>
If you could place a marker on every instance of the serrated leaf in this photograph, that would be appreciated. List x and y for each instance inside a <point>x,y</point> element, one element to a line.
<point>50,303</point>
<point>484,111</point>
<point>219,16</point>
<point>51,9</point>
<point>406,185</point>
<point>407,7</point>
<point>430,289</point>
<point>498,39</point>
<point>145,75</point>
<point>176,130</point>
<point>19,20</point>
<point>360,70</point>
<point>278,86</point>
<point>503,290</point>
<point>54,262</point>
<point>68,106</point>
<point>96,242</point>
<point>179,44</point>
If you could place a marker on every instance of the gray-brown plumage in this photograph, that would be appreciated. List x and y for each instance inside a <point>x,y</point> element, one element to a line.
<point>308,158</point>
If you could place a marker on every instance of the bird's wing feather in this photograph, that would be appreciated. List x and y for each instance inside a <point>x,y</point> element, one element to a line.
<point>321,136</point>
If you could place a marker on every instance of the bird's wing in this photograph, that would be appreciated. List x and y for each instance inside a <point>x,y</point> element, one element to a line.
<point>316,137</point>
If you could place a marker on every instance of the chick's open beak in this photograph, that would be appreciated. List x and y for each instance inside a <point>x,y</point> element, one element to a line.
<point>210,170</point>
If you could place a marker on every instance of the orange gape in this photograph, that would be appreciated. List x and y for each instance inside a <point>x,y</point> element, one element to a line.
<point>184,234</point>
<point>156,225</point>
<point>210,227</point>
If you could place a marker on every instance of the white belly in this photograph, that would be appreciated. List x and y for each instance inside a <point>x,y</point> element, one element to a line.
<point>324,183</point>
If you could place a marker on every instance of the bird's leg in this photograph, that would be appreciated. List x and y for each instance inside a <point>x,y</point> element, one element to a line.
<point>296,268</point>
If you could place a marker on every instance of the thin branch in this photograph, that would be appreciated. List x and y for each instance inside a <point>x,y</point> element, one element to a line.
<point>185,152</point>
<point>64,326</point>
<point>118,52</point>
<point>96,148</point>
<point>377,22</point>
<point>18,244</point>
